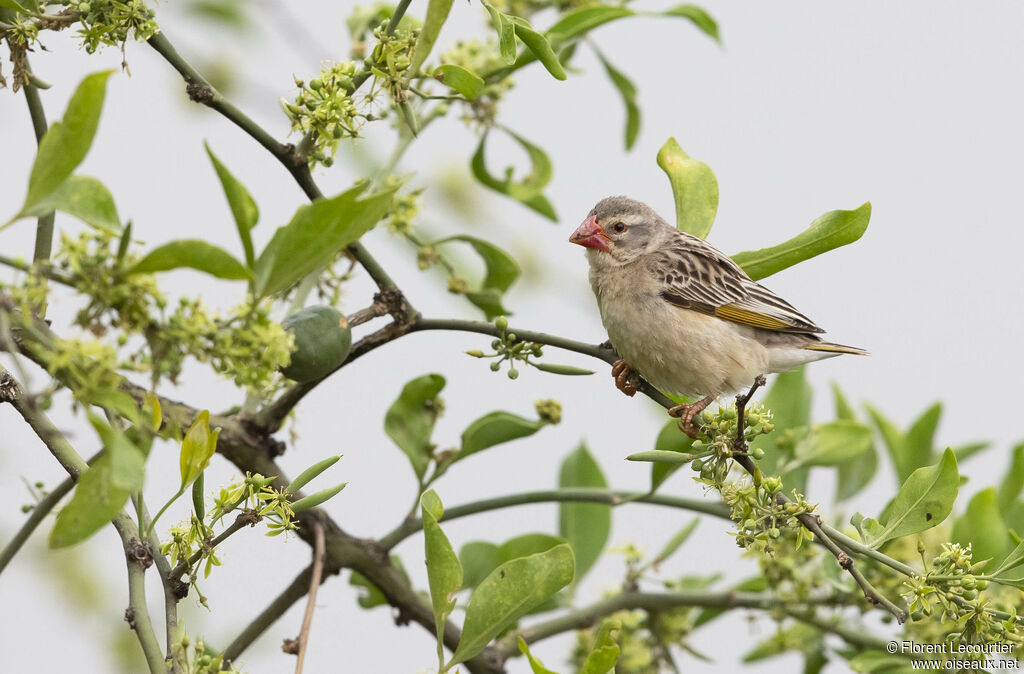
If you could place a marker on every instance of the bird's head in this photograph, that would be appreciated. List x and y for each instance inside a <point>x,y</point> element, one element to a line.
<point>619,228</point>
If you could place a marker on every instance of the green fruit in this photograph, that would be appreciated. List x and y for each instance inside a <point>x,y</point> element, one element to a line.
<point>322,342</point>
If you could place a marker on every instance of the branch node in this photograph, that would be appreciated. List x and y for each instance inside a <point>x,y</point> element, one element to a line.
<point>9,390</point>
<point>845,561</point>
<point>139,552</point>
<point>129,617</point>
<point>199,92</point>
<point>290,646</point>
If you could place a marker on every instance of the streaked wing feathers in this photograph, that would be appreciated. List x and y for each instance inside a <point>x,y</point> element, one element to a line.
<point>696,276</point>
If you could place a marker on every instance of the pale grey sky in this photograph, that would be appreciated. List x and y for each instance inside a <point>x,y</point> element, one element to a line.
<point>808,107</point>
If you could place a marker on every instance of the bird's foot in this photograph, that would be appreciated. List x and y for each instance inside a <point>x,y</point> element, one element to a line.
<point>626,380</point>
<point>686,412</point>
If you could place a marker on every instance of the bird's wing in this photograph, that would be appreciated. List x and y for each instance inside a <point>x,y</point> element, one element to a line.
<point>696,276</point>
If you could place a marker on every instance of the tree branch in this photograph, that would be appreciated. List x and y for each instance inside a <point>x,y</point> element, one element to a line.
<point>44,226</point>
<point>314,585</point>
<point>564,495</point>
<point>38,514</point>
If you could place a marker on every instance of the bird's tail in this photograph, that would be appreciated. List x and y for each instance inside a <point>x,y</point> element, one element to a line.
<point>836,348</point>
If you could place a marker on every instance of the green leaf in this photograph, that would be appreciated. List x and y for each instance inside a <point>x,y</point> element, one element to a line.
<point>661,456</point>
<point>894,441</point>
<point>602,659</point>
<point>372,596</point>
<point>444,572</point>
<point>677,541</point>
<point>699,17</point>
<point>670,439</point>
<point>925,499</point>
<point>16,6</point>
<point>315,235</point>
<point>536,666</point>
<point>528,190</point>
<point>832,230</point>
<point>496,428</point>
<point>466,82</point>
<point>833,443</point>
<point>127,462</point>
<point>243,207</point>
<point>116,401</point>
<point>539,46</point>
<point>982,527</point>
<point>508,593</point>
<point>555,368</point>
<point>694,189</point>
<point>410,419</point>
<point>197,447</point>
<point>194,254</point>
<point>310,473</point>
<point>969,449</point>
<point>437,14</point>
<point>67,142</point>
<point>628,92</point>
<point>583,20</point>
<point>84,198</point>
<point>585,525</point>
<point>489,301</point>
<point>506,34</point>
<point>501,272</point>
<point>318,498</point>
<point>855,474</point>
<point>919,441</point>
<point>97,500</point>
<point>1013,481</point>
<point>478,559</point>
<point>1012,561</point>
<point>877,661</point>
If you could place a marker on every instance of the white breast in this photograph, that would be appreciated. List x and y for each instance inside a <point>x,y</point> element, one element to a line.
<point>679,351</point>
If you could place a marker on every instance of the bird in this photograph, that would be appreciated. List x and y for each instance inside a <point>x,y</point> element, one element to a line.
<point>683,315</point>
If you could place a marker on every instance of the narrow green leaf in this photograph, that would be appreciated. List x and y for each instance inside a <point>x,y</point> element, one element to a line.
<point>699,17</point>
<point>894,442</point>
<point>315,235</point>
<point>694,188</point>
<point>318,498</point>
<point>96,501</point>
<point>925,500</point>
<point>628,92</point>
<point>555,368</point>
<point>496,428</point>
<point>444,572</point>
<point>16,6</point>
<point>116,401</point>
<point>84,198</point>
<point>243,206</point>
<point>464,81</point>
<point>194,254</point>
<point>1013,480</point>
<point>833,443</point>
<point>583,20</point>
<point>509,593</point>
<point>307,475</point>
<point>437,14</point>
<point>670,439</point>
<point>536,666</point>
<point>502,269</point>
<point>528,190</point>
<point>67,142</point>
<point>539,46</point>
<point>969,449</point>
<point>478,559</point>
<point>489,301</point>
<point>506,34</point>
<point>410,420</point>
<point>983,528</point>
<point>789,400</point>
<point>832,230</point>
<point>197,447</point>
<point>661,456</point>
<point>677,541</point>
<point>199,497</point>
<point>585,525</point>
<point>526,545</point>
<point>855,474</point>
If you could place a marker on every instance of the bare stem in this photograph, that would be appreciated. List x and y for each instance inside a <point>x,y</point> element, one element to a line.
<point>44,227</point>
<point>314,585</point>
<point>38,514</point>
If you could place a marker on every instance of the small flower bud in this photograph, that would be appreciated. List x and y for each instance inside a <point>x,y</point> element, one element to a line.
<point>501,323</point>
<point>476,353</point>
<point>316,84</point>
<point>757,453</point>
<point>495,344</point>
<point>513,373</point>
<point>495,366</point>
<point>511,337</point>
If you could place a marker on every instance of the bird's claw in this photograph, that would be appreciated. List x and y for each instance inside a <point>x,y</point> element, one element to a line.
<point>626,380</point>
<point>686,412</point>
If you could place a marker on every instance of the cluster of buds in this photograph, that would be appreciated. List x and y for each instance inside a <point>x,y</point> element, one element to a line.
<point>715,449</point>
<point>508,347</point>
<point>325,112</point>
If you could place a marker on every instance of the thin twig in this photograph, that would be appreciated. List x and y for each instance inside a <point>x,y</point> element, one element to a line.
<point>297,589</point>
<point>245,518</point>
<point>44,227</point>
<point>38,514</point>
<point>314,585</point>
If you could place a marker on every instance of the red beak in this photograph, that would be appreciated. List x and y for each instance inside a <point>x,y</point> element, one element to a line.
<point>590,235</point>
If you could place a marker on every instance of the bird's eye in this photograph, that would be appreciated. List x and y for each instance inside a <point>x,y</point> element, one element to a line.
<point>619,227</point>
